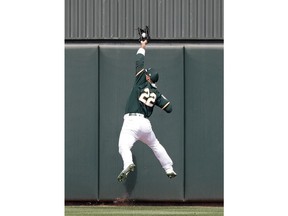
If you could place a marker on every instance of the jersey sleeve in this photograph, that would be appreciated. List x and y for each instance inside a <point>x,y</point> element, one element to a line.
<point>140,71</point>
<point>164,103</point>
<point>140,55</point>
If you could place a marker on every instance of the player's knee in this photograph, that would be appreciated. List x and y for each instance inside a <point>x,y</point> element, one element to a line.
<point>122,149</point>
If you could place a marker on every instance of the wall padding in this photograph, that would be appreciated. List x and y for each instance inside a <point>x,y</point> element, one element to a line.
<point>98,80</point>
<point>81,122</point>
<point>204,123</point>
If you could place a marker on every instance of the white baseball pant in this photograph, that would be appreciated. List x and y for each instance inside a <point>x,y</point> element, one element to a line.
<point>139,128</point>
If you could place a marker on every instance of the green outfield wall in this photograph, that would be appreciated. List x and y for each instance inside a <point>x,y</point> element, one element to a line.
<point>98,80</point>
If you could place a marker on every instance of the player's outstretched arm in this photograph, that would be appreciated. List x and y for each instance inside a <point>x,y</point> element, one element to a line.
<point>142,48</point>
<point>143,44</point>
<point>140,57</point>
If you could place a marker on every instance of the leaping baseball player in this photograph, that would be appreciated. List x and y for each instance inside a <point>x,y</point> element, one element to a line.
<point>136,126</point>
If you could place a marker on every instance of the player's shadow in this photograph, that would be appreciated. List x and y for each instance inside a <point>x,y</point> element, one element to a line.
<point>131,180</point>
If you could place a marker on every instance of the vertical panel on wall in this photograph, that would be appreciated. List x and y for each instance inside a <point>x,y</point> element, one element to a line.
<point>81,122</point>
<point>149,181</point>
<point>161,20</point>
<point>90,17</point>
<point>209,18</point>
<point>137,16</point>
<point>168,19</point>
<point>121,19</point>
<point>74,18</point>
<point>168,61</point>
<point>218,19</point>
<point>116,64</point>
<point>130,19</point>
<point>186,19</point>
<point>204,122</point>
<point>177,30</point>
<point>154,18</point>
<point>193,23</point>
<point>98,19</point>
<point>106,19</point>
<point>114,19</point>
<point>145,13</point>
<point>201,12</point>
<point>67,19</point>
<point>82,14</point>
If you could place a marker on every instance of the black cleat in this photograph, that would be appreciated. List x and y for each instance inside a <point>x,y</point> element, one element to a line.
<point>124,174</point>
<point>171,174</point>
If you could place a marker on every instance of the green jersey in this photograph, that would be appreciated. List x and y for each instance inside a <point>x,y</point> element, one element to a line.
<point>144,95</point>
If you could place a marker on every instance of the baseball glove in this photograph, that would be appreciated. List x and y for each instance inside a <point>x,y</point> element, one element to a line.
<point>144,34</point>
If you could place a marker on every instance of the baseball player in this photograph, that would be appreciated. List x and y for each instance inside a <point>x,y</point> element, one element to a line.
<point>136,126</point>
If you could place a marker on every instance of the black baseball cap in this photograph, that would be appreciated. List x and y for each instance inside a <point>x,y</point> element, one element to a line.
<point>153,74</point>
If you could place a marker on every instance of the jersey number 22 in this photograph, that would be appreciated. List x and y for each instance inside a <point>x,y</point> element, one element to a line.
<point>147,97</point>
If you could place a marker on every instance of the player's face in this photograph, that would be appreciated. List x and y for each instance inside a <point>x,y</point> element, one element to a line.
<point>148,79</point>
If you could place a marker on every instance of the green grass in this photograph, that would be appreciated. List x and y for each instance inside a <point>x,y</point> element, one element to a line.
<point>143,210</point>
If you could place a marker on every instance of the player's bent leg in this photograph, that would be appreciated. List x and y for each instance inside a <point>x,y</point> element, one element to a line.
<point>164,159</point>
<point>161,154</point>
<point>125,146</point>
<point>126,141</point>
<point>126,155</point>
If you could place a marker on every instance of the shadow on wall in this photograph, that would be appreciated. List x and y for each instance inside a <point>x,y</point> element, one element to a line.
<point>130,183</point>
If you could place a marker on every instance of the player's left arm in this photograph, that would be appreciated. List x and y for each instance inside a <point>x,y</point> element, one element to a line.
<point>164,104</point>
